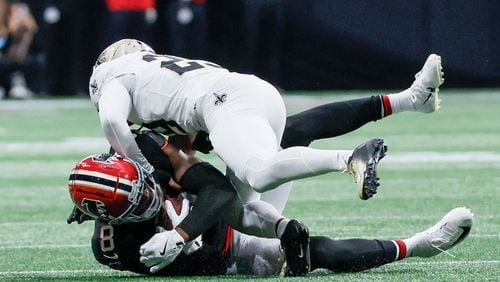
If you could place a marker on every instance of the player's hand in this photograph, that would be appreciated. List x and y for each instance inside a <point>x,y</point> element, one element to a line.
<point>161,250</point>
<point>193,245</point>
<point>78,216</point>
<point>172,213</point>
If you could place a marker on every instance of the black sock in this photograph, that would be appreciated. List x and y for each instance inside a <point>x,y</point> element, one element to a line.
<point>330,120</point>
<point>351,255</point>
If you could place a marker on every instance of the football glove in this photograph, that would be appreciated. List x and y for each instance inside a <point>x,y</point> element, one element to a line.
<point>78,216</point>
<point>161,250</point>
<point>193,245</point>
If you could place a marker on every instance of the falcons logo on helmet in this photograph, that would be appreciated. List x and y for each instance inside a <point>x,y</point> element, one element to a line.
<point>95,207</point>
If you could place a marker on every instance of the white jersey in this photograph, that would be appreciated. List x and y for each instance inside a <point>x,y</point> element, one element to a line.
<point>163,88</point>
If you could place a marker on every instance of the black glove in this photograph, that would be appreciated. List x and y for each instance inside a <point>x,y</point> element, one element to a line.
<point>202,143</point>
<point>78,216</point>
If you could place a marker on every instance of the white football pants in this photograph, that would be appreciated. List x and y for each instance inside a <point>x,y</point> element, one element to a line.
<point>245,118</point>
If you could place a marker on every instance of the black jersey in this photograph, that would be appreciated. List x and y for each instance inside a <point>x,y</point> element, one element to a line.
<point>117,246</point>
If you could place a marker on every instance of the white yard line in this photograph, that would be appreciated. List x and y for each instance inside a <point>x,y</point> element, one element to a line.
<point>450,263</point>
<point>391,237</point>
<point>96,144</point>
<point>444,157</point>
<point>83,246</point>
<point>307,218</point>
<point>393,217</point>
<point>45,104</point>
<point>105,271</point>
<point>75,144</point>
<point>48,246</point>
<point>59,272</point>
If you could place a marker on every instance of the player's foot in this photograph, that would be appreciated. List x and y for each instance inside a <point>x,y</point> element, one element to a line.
<point>424,90</point>
<point>362,165</point>
<point>295,245</point>
<point>445,234</point>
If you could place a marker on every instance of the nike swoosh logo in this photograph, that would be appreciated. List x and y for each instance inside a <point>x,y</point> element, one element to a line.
<point>430,94</point>
<point>301,255</point>
<point>162,253</point>
<point>465,232</point>
<point>115,256</point>
<point>177,245</point>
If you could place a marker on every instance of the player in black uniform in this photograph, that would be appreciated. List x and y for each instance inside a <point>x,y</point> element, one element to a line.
<point>342,255</point>
<point>299,131</point>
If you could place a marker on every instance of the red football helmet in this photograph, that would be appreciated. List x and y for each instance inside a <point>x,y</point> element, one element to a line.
<point>114,189</point>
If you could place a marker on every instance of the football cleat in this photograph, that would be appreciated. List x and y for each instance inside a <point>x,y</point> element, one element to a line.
<point>295,245</point>
<point>424,90</point>
<point>362,165</point>
<point>452,229</point>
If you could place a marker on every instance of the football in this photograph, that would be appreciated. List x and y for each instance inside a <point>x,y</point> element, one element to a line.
<point>176,203</point>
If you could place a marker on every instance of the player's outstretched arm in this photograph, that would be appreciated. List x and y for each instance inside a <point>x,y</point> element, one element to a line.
<point>114,107</point>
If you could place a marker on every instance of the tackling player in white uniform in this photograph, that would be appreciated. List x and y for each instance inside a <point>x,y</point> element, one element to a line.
<point>243,115</point>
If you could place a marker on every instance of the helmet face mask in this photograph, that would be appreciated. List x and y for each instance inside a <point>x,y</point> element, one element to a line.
<point>114,189</point>
<point>122,48</point>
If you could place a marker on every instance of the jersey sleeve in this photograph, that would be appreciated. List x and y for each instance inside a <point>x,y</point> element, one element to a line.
<point>114,107</point>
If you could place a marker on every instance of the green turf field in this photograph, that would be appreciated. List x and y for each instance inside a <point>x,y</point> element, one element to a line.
<point>435,162</point>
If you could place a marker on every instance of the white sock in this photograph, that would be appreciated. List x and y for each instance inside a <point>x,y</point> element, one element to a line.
<point>410,245</point>
<point>402,101</point>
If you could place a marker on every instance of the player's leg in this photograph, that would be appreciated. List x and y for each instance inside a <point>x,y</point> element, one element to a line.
<point>260,219</point>
<point>251,150</point>
<point>256,256</point>
<point>252,216</point>
<point>265,170</point>
<point>330,120</point>
<point>351,255</point>
<point>278,196</point>
<point>245,131</point>
<point>259,256</point>
<point>338,118</point>
<point>361,254</point>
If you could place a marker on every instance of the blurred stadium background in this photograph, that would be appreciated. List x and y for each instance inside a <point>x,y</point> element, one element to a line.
<point>316,51</point>
<point>300,44</point>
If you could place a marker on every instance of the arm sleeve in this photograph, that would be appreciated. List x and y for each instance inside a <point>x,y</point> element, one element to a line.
<point>215,194</point>
<point>114,107</point>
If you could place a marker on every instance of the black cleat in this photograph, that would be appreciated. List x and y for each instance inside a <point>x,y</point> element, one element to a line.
<point>295,245</point>
<point>362,165</point>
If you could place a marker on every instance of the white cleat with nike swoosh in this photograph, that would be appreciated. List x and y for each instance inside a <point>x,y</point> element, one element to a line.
<point>452,229</point>
<point>425,89</point>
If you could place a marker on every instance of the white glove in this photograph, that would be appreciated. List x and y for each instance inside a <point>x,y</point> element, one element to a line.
<point>172,214</point>
<point>161,250</point>
<point>193,245</point>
